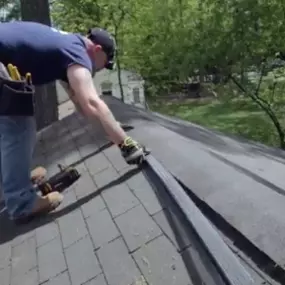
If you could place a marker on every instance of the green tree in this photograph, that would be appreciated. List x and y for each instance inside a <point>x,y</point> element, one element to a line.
<point>168,41</point>
<point>75,16</point>
<point>249,33</point>
<point>10,10</point>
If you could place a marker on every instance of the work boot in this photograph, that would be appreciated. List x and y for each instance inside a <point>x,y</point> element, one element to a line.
<point>43,205</point>
<point>38,175</point>
<point>47,203</point>
<point>132,151</point>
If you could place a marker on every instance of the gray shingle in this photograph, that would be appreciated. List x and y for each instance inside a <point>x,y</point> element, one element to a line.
<point>145,193</point>
<point>172,227</point>
<point>81,167</point>
<point>46,233</point>
<point>22,237</point>
<point>86,144</point>
<point>97,163</point>
<point>98,280</point>
<point>137,227</point>
<point>29,278</point>
<point>102,228</point>
<point>5,276</point>
<point>72,156</point>
<point>24,257</point>
<point>72,227</point>
<point>84,185</point>
<point>82,262</point>
<point>69,199</point>
<point>93,206</point>
<point>114,155</point>
<point>106,176</point>
<point>5,255</point>
<point>51,259</point>
<point>161,264</point>
<point>61,279</point>
<point>119,199</point>
<point>118,265</point>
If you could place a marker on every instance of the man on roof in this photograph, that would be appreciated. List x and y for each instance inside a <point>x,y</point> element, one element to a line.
<point>49,55</point>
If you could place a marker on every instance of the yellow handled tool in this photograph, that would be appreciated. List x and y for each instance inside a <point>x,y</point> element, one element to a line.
<point>11,71</point>
<point>29,78</point>
<point>14,73</point>
<point>17,74</point>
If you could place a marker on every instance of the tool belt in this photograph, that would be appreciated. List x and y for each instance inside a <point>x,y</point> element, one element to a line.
<point>16,97</point>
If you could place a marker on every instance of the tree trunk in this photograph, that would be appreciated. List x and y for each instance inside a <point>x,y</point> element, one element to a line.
<point>268,111</point>
<point>46,96</point>
<point>120,80</point>
<point>118,62</point>
<point>180,11</point>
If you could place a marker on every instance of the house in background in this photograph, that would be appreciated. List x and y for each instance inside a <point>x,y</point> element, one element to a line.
<point>107,83</point>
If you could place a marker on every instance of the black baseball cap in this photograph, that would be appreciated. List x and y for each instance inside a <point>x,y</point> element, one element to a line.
<point>104,39</point>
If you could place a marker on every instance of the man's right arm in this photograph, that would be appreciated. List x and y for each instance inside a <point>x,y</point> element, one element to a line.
<point>91,105</point>
<point>71,95</point>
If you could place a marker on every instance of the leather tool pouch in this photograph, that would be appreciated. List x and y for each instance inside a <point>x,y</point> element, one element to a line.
<point>16,98</point>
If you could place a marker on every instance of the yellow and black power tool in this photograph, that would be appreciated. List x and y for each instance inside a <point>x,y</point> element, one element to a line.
<point>60,181</point>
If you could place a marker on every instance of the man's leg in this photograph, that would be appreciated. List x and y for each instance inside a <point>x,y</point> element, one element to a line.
<point>17,140</point>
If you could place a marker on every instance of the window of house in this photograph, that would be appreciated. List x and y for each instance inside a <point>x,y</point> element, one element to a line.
<point>136,95</point>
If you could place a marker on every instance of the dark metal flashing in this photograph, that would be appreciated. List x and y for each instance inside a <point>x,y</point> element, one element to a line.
<point>227,263</point>
<point>261,260</point>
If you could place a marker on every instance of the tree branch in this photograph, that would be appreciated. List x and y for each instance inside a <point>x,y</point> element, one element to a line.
<point>260,80</point>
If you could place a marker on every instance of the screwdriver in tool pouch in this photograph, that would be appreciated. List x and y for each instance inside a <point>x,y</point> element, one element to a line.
<point>11,71</point>
<point>17,74</point>
<point>29,78</point>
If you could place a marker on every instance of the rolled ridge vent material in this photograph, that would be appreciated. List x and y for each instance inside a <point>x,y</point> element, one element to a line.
<point>227,263</point>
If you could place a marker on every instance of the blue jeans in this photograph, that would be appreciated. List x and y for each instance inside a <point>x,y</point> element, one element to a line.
<point>17,142</point>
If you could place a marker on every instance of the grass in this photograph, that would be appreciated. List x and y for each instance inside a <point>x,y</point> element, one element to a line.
<point>237,116</point>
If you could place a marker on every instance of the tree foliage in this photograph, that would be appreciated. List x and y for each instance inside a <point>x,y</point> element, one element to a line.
<point>167,41</point>
<point>170,39</point>
<point>10,10</point>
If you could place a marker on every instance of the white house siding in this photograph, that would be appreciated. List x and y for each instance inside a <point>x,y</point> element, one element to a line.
<point>129,81</point>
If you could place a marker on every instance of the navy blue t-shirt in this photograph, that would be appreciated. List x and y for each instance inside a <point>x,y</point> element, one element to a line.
<point>41,50</point>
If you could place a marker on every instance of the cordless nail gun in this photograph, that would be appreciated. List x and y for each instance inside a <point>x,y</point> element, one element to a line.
<point>60,181</point>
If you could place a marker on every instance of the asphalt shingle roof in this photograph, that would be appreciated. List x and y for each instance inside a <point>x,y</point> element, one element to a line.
<point>242,181</point>
<point>114,227</point>
<point>111,228</point>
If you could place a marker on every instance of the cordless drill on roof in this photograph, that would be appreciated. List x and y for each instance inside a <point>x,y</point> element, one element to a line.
<point>60,181</point>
